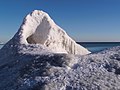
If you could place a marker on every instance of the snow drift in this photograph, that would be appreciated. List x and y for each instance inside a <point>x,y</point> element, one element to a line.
<point>39,28</point>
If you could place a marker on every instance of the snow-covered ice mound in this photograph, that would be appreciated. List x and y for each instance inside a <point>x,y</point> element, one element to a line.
<point>39,28</point>
<point>29,63</point>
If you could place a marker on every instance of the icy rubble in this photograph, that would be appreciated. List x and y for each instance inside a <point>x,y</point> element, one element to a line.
<point>49,71</point>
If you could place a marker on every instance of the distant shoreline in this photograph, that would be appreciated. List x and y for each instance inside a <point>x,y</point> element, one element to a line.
<point>98,42</point>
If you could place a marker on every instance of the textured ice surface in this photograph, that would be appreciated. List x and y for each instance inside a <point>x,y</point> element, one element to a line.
<point>24,68</point>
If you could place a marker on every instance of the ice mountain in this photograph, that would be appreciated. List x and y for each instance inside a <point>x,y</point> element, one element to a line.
<point>28,61</point>
<point>39,28</point>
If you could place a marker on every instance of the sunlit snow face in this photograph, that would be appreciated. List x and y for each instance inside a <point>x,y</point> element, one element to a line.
<point>41,33</point>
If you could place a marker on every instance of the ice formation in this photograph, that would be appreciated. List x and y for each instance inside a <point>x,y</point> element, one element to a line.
<point>27,64</point>
<point>39,28</point>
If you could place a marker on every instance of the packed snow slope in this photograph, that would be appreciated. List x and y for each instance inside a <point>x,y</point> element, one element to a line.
<point>29,63</point>
<point>39,28</point>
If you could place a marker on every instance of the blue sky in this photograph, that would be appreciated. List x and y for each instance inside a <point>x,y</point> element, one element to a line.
<point>83,20</point>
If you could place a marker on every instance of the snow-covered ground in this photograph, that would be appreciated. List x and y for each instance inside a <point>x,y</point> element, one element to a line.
<point>34,66</point>
<point>27,69</point>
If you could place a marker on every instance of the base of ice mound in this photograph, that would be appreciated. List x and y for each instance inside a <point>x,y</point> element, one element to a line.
<point>24,68</point>
<point>39,28</point>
